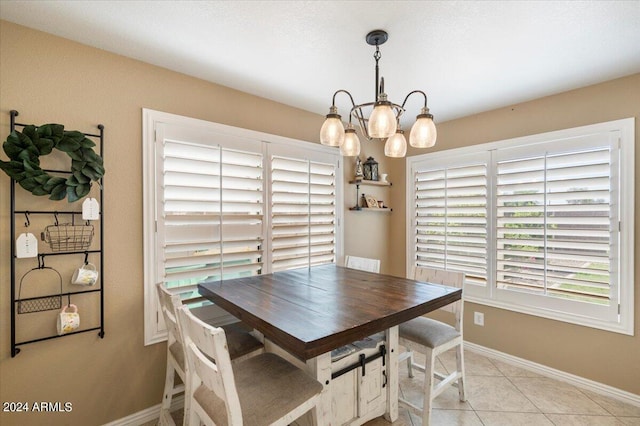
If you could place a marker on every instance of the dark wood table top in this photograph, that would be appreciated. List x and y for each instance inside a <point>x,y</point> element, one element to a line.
<point>309,312</point>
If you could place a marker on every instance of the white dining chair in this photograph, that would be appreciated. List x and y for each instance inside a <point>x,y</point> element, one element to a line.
<point>241,345</point>
<point>362,263</point>
<point>431,338</point>
<point>261,390</point>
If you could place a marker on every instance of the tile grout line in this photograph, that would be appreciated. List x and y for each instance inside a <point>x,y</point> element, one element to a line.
<point>523,394</point>
<point>595,402</point>
<point>509,378</point>
<point>506,376</point>
<point>407,410</point>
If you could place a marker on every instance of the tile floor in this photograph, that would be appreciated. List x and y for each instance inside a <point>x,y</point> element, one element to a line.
<point>500,394</point>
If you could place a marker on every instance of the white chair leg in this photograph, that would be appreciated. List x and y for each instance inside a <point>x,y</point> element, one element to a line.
<point>165,414</point>
<point>460,366</point>
<point>316,416</point>
<point>410,364</point>
<point>429,368</point>
<point>194,420</point>
<point>187,405</point>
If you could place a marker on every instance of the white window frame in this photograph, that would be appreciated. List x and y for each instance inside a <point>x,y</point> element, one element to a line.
<point>154,328</point>
<point>489,295</point>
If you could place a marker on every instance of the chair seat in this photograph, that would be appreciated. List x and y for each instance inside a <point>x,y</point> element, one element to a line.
<point>267,387</point>
<point>427,332</point>
<point>239,343</point>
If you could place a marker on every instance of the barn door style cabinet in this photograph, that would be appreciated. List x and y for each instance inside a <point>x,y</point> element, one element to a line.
<point>359,383</point>
<point>52,240</point>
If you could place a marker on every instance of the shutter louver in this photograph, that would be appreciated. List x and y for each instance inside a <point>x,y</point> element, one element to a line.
<point>554,224</point>
<point>212,213</point>
<point>451,220</point>
<point>560,222</point>
<point>207,204</point>
<point>303,213</point>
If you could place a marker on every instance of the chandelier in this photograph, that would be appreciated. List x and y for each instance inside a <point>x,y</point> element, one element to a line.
<point>382,123</point>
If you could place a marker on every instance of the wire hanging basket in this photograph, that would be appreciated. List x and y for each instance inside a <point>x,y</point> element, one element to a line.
<point>41,303</point>
<point>67,236</point>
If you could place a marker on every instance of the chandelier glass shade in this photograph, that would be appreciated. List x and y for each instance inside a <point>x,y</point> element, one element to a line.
<point>351,145</point>
<point>423,133</point>
<point>396,145</point>
<point>332,131</point>
<point>383,121</point>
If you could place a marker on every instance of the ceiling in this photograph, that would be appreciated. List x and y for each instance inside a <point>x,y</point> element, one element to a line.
<point>468,56</point>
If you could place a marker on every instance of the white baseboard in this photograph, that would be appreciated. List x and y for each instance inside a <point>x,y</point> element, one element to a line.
<point>580,382</point>
<point>153,413</point>
<point>147,415</point>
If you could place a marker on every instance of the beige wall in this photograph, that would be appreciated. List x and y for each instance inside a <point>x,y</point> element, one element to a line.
<point>605,357</point>
<point>52,80</point>
<point>368,233</point>
<point>49,79</point>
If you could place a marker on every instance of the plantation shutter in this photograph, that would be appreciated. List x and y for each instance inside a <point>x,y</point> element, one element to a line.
<point>555,220</point>
<point>208,199</point>
<point>211,209</point>
<point>451,219</point>
<point>559,222</point>
<point>303,213</point>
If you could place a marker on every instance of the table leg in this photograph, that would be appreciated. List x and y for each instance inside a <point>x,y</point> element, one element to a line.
<point>320,368</point>
<point>393,383</point>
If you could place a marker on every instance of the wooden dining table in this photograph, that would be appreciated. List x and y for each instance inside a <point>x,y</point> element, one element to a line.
<point>309,312</point>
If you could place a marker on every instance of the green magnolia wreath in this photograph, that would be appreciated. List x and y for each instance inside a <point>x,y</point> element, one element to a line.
<point>25,148</point>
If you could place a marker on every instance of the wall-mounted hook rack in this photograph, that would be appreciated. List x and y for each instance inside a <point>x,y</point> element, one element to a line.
<point>97,292</point>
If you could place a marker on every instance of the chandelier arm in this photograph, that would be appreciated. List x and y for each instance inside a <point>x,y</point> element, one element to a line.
<point>333,101</point>
<point>399,110</point>
<point>356,112</point>
<point>411,93</point>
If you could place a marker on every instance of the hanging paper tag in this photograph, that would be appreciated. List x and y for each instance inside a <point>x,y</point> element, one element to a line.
<point>26,246</point>
<point>90,209</point>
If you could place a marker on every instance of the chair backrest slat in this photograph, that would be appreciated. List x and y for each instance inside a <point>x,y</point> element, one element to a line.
<point>363,264</point>
<point>449,278</point>
<point>169,304</point>
<point>209,361</point>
